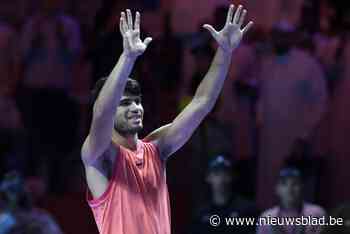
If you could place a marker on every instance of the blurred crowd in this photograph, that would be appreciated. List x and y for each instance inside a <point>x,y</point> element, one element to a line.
<point>274,145</point>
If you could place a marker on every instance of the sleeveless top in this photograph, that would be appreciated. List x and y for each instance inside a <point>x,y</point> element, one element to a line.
<point>136,200</point>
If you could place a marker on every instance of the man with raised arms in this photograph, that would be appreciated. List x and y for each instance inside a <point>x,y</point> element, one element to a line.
<point>126,175</point>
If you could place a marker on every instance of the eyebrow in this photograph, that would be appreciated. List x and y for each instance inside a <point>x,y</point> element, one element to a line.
<point>130,99</point>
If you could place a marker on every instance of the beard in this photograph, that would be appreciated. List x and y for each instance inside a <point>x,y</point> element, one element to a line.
<point>124,129</point>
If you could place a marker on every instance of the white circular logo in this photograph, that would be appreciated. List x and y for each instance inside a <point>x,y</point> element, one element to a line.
<point>214,220</point>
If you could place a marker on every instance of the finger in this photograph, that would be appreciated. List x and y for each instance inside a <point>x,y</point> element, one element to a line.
<point>128,12</point>
<point>124,24</point>
<point>147,41</point>
<point>210,29</point>
<point>241,19</point>
<point>247,27</point>
<point>137,21</point>
<point>121,26</point>
<point>230,14</point>
<point>237,15</point>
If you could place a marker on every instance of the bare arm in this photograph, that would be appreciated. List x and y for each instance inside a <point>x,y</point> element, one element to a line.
<point>107,102</point>
<point>181,129</point>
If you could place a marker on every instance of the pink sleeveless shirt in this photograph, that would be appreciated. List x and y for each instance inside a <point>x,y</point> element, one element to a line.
<point>136,200</point>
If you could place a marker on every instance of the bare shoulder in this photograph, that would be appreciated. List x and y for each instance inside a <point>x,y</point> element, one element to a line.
<point>155,138</point>
<point>157,133</point>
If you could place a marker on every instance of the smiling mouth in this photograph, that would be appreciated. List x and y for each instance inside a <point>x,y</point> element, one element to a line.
<point>135,118</point>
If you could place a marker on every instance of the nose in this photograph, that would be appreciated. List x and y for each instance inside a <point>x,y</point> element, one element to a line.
<point>135,108</point>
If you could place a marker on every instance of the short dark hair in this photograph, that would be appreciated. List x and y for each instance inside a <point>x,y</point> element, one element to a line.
<point>132,88</point>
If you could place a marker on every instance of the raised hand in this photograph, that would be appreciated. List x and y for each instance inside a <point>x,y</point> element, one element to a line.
<point>133,45</point>
<point>231,35</point>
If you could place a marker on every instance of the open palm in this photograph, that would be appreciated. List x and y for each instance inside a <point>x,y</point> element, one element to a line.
<point>231,34</point>
<point>133,45</point>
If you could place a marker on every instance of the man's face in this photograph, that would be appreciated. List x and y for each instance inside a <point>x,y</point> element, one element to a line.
<point>289,190</point>
<point>129,115</point>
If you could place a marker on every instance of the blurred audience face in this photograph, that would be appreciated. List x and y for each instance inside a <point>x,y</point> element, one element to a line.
<point>220,180</point>
<point>289,191</point>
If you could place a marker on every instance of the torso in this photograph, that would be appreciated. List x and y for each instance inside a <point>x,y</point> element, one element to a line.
<point>128,190</point>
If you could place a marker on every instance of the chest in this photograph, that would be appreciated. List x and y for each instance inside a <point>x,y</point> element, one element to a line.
<point>141,171</point>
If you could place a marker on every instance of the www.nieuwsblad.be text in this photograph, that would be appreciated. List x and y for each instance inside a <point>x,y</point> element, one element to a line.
<point>216,220</point>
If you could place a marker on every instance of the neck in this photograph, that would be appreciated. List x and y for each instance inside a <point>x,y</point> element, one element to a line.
<point>291,206</point>
<point>128,141</point>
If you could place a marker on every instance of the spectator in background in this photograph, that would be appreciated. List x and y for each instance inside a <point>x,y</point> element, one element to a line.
<point>302,156</point>
<point>243,90</point>
<point>337,164</point>
<point>212,137</point>
<point>224,201</point>
<point>289,190</point>
<point>16,203</point>
<point>50,44</point>
<point>329,44</point>
<point>292,100</point>
<point>30,224</point>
